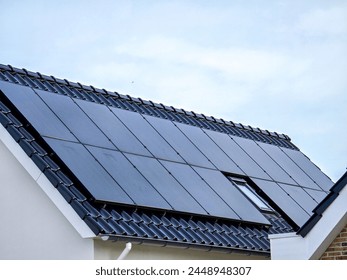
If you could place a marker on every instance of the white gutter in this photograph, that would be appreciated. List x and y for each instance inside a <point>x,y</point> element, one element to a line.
<point>125,252</point>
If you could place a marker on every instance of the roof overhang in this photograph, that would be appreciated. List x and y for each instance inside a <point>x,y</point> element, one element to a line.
<point>317,240</point>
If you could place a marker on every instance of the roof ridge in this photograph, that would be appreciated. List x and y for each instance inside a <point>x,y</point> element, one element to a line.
<point>77,85</point>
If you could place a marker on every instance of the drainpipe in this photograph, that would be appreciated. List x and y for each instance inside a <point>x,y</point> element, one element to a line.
<point>125,252</point>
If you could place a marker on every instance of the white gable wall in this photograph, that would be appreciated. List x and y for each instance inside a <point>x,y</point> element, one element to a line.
<point>32,227</point>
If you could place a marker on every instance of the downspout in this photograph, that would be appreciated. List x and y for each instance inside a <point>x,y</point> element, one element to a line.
<point>125,252</point>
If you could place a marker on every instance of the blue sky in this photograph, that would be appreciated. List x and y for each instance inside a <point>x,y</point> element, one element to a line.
<point>277,65</point>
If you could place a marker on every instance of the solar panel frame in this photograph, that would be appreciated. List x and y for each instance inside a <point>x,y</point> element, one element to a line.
<point>169,188</point>
<point>309,168</point>
<point>75,119</point>
<point>201,191</point>
<point>88,171</point>
<point>301,197</point>
<point>147,135</point>
<point>282,159</point>
<point>129,178</point>
<point>35,111</point>
<point>113,128</point>
<point>283,201</point>
<point>253,149</point>
<point>186,149</point>
<point>244,162</point>
<point>209,148</point>
<point>236,200</point>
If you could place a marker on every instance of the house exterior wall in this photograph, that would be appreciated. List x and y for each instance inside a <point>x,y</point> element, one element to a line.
<point>338,248</point>
<point>108,250</point>
<point>32,227</point>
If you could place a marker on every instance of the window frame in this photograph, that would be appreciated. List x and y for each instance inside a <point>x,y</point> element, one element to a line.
<point>242,185</point>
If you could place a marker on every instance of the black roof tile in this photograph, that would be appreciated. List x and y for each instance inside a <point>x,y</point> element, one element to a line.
<point>105,226</point>
<point>150,233</point>
<point>156,220</point>
<point>139,231</point>
<point>200,235</point>
<point>104,213</point>
<point>128,229</point>
<point>159,233</point>
<point>176,233</point>
<point>76,205</point>
<point>93,224</point>
<point>169,235</point>
<point>116,227</point>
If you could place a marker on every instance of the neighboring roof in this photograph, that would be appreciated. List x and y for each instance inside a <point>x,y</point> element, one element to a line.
<point>222,218</point>
<point>316,235</point>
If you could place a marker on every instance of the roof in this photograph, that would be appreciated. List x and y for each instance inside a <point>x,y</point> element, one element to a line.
<point>153,173</point>
<point>323,205</point>
<point>317,234</point>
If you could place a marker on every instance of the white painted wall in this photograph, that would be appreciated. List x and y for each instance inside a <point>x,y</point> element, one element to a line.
<point>290,246</point>
<point>32,227</point>
<point>108,250</point>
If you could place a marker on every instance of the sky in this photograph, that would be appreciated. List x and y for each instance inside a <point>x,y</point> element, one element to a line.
<point>276,65</point>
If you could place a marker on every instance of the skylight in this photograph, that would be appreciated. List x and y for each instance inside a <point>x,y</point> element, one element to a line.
<point>250,193</point>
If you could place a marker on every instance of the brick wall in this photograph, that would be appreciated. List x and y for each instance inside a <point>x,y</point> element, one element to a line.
<point>338,248</point>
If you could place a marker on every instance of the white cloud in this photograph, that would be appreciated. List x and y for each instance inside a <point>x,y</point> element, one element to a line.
<point>332,21</point>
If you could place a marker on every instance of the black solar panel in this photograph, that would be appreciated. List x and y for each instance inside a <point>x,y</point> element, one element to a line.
<point>244,161</point>
<point>209,148</point>
<point>179,142</point>
<point>75,119</point>
<point>129,178</point>
<point>231,195</point>
<point>283,201</point>
<point>198,189</point>
<point>281,158</point>
<point>88,171</point>
<point>263,160</point>
<point>310,169</point>
<point>36,111</point>
<point>174,193</point>
<point>317,195</point>
<point>301,197</point>
<point>113,128</point>
<point>147,135</point>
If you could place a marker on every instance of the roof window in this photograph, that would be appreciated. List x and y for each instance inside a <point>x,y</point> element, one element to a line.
<point>247,190</point>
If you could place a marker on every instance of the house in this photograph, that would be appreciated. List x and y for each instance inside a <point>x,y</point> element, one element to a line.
<point>85,171</point>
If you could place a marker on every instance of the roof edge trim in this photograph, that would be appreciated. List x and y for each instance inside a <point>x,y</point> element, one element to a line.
<point>323,205</point>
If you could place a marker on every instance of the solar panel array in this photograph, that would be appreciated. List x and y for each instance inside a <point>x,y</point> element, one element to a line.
<point>129,158</point>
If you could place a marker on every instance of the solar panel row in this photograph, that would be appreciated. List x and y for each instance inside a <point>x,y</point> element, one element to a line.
<point>125,157</point>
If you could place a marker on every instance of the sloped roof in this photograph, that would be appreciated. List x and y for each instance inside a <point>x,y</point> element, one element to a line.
<point>323,205</point>
<point>316,235</point>
<point>87,141</point>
